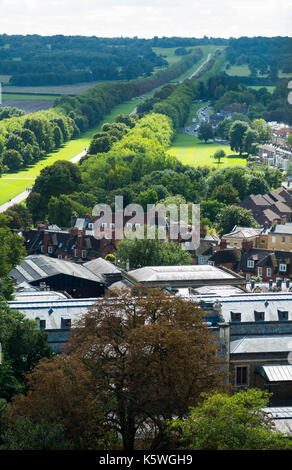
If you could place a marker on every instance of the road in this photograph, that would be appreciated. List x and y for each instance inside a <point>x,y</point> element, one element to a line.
<point>200,67</point>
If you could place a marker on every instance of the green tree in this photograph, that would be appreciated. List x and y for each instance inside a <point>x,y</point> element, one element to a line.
<point>218,155</point>
<point>237,135</point>
<point>230,216</point>
<point>205,132</point>
<point>258,185</point>
<point>24,434</point>
<point>12,251</point>
<point>236,422</point>
<point>144,252</point>
<point>12,159</point>
<point>226,194</point>
<point>62,177</point>
<point>23,344</point>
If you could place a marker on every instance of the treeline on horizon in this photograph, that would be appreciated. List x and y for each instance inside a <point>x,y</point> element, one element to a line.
<point>34,60</point>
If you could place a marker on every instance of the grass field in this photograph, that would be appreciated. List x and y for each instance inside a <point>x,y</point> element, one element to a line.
<point>269,88</point>
<point>12,184</point>
<point>238,70</point>
<point>191,151</point>
<point>23,96</point>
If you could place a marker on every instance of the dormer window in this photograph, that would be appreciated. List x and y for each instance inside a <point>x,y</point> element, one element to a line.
<point>283,315</point>
<point>259,316</point>
<point>66,323</point>
<point>283,268</point>
<point>236,316</point>
<point>250,263</point>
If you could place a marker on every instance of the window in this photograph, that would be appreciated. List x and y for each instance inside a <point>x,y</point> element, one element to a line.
<point>260,271</point>
<point>273,239</point>
<point>75,252</point>
<point>241,376</point>
<point>104,225</point>
<point>83,253</point>
<point>236,316</point>
<point>247,277</point>
<point>283,314</point>
<point>60,256</point>
<point>42,249</point>
<point>137,225</point>
<point>262,241</point>
<point>112,225</point>
<point>66,322</point>
<point>259,316</point>
<point>250,263</point>
<point>282,239</point>
<point>283,268</point>
<point>50,249</point>
<point>42,324</point>
<point>269,272</point>
<point>235,244</point>
<point>129,225</point>
<point>90,226</point>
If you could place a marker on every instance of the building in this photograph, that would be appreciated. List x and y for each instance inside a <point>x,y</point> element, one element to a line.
<point>271,208</point>
<point>278,237</point>
<point>191,276</point>
<point>58,275</point>
<point>255,335</point>
<point>240,235</point>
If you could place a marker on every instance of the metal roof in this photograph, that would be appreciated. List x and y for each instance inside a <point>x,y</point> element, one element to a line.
<point>180,273</point>
<point>38,267</point>
<point>281,373</point>
<point>101,266</point>
<point>281,412</point>
<point>261,344</point>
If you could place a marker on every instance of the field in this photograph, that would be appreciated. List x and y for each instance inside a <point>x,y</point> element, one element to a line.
<point>12,184</point>
<point>191,151</point>
<point>75,89</point>
<point>238,70</point>
<point>269,88</point>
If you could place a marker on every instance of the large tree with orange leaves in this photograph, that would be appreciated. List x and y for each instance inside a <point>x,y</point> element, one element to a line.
<point>152,354</point>
<point>144,358</point>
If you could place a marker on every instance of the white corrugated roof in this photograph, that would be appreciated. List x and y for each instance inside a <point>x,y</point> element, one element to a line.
<point>281,373</point>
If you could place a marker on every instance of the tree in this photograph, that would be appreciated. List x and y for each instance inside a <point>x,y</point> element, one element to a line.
<point>226,194</point>
<point>205,132</point>
<point>236,422</point>
<point>258,185</point>
<point>24,434</point>
<point>12,159</point>
<point>237,135</point>
<point>146,252</point>
<point>151,355</point>
<point>12,251</point>
<point>230,216</point>
<point>218,155</point>
<point>62,177</point>
<point>290,140</point>
<point>62,391</point>
<point>251,139</point>
<point>23,344</point>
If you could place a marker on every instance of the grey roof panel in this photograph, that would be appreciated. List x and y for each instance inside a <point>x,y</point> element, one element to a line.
<point>282,373</point>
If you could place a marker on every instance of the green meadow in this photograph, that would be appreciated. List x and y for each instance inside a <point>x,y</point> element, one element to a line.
<point>12,184</point>
<point>191,151</point>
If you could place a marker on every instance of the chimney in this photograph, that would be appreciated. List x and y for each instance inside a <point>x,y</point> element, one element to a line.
<point>40,228</point>
<point>283,219</point>
<point>73,219</point>
<point>246,245</point>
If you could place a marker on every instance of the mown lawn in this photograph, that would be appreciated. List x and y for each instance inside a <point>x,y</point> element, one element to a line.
<point>20,96</point>
<point>12,184</point>
<point>191,151</point>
